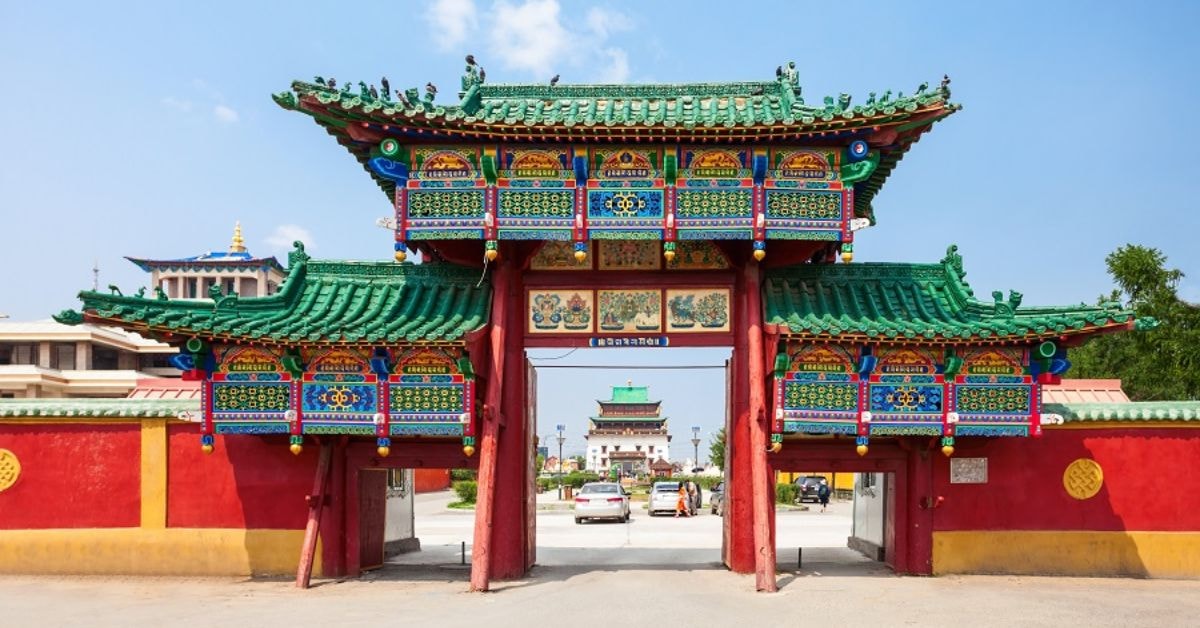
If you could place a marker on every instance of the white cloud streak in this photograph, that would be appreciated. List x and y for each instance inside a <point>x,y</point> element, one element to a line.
<point>531,36</point>
<point>281,239</point>
<point>453,22</point>
<point>225,114</point>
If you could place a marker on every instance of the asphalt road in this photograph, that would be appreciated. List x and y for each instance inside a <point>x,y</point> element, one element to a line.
<point>660,571</point>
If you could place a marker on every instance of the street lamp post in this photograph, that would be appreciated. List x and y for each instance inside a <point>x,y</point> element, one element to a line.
<point>695,446</point>
<point>561,438</point>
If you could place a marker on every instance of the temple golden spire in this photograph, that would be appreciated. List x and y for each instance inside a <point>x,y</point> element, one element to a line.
<point>238,245</point>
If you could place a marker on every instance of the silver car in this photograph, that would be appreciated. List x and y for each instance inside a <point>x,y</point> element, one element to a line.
<point>601,500</point>
<point>664,496</point>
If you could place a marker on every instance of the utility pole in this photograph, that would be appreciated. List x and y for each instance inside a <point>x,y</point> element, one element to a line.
<point>561,438</point>
<point>695,446</point>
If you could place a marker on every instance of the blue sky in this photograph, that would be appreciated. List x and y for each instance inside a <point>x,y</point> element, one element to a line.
<point>148,130</point>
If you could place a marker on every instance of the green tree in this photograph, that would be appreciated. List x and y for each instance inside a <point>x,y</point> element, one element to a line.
<point>1158,364</point>
<point>716,449</point>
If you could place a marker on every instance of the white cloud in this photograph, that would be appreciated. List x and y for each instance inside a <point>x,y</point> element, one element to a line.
<point>225,114</point>
<point>281,239</point>
<point>183,106</point>
<point>617,69</point>
<point>529,36</point>
<point>603,22</point>
<point>452,20</point>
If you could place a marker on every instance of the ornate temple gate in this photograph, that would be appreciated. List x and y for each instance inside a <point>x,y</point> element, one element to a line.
<point>614,216</point>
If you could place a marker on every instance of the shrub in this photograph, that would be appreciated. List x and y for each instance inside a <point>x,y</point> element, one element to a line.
<point>785,493</point>
<point>466,490</point>
<point>460,475</point>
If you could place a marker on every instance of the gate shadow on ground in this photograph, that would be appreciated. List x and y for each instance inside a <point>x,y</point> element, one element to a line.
<point>833,562</point>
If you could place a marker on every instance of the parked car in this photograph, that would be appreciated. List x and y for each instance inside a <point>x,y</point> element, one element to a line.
<point>663,497</point>
<point>601,500</point>
<point>806,488</point>
<point>716,499</point>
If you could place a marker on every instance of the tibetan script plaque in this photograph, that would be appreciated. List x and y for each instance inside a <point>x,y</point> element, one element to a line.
<point>968,471</point>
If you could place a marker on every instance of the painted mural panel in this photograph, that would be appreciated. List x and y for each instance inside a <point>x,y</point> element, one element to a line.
<point>697,255</point>
<point>445,163</point>
<point>250,392</point>
<point>710,166</point>
<point>558,255</point>
<point>804,164</point>
<point>693,310</point>
<point>906,395</point>
<point>624,163</point>
<point>338,393</point>
<point>629,255</point>
<point>524,166</point>
<point>993,394</point>
<point>428,394</point>
<point>629,311</point>
<point>561,311</point>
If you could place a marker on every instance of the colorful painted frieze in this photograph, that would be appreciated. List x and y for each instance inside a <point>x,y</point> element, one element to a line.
<point>906,393</point>
<point>561,311</point>
<point>629,311</point>
<point>818,390</point>
<point>429,394</point>
<point>249,392</point>
<point>339,393</point>
<point>698,310</point>
<point>993,393</point>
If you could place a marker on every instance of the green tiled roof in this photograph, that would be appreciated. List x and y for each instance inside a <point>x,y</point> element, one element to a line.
<point>917,302</point>
<point>320,302</point>
<point>1128,411</point>
<point>100,408</point>
<point>629,394</point>
<point>762,111</point>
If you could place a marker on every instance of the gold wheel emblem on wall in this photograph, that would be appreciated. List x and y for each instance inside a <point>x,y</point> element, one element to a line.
<point>1083,478</point>
<point>10,469</point>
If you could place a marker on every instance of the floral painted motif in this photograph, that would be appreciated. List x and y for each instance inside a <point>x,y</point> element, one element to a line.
<point>629,310</point>
<point>697,255</point>
<point>629,255</point>
<point>558,255</point>
<point>560,311</point>
<point>702,310</point>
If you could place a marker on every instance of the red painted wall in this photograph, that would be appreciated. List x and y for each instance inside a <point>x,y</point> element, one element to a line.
<point>248,481</point>
<point>430,480</point>
<point>73,476</point>
<point>1151,482</point>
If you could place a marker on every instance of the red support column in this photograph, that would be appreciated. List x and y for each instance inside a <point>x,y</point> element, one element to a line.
<point>921,502</point>
<point>481,552</point>
<point>739,516</point>
<point>316,505</point>
<point>333,522</point>
<point>513,454</point>
<point>764,546</point>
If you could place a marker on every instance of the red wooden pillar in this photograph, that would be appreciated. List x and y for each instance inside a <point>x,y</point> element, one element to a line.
<point>333,522</point>
<point>760,470</point>
<point>316,507</point>
<point>481,551</point>
<point>739,530</point>
<point>510,517</point>
<point>921,501</point>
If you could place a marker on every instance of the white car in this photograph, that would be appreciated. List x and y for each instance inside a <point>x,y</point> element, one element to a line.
<point>663,497</point>
<point>601,500</point>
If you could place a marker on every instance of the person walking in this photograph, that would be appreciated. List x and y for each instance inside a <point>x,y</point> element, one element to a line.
<point>823,492</point>
<point>681,504</point>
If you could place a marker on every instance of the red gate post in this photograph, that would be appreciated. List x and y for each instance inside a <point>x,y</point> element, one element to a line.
<point>510,511</point>
<point>739,515</point>
<point>316,503</point>
<point>762,495</point>
<point>485,500</point>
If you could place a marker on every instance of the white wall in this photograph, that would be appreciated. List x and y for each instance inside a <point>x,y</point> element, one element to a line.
<point>399,514</point>
<point>868,507</point>
<point>596,442</point>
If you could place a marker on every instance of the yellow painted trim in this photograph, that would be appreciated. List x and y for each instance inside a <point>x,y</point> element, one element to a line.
<point>1131,423</point>
<point>154,473</point>
<point>1068,553</point>
<point>170,551</point>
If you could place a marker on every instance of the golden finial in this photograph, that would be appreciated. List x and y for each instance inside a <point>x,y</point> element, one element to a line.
<point>239,244</point>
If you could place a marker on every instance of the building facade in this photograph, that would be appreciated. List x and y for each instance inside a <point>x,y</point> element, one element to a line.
<point>628,432</point>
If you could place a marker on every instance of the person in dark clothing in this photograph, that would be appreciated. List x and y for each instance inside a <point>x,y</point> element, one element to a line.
<point>823,492</point>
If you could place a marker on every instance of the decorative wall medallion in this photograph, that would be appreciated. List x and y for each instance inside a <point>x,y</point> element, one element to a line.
<point>629,255</point>
<point>1083,478</point>
<point>631,311</point>
<point>698,310</point>
<point>558,255</point>
<point>561,311</point>
<point>10,469</point>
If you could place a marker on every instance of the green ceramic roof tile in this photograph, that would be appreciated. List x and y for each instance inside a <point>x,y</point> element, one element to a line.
<point>916,302</point>
<point>1127,411</point>
<point>321,302</point>
<point>101,408</point>
<point>629,394</point>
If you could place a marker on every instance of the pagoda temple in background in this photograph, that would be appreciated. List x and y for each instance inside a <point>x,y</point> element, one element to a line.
<point>628,433</point>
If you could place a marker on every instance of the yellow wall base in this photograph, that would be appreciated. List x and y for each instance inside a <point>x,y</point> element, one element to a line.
<point>1068,553</point>
<point>169,551</point>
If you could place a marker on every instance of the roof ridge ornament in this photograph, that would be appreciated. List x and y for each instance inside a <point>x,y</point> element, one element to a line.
<point>238,244</point>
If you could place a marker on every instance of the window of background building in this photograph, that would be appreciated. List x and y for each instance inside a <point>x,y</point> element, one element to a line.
<point>104,358</point>
<point>18,353</point>
<point>155,361</point>
<point>62,356</point>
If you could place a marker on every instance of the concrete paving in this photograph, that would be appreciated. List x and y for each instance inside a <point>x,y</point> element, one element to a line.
<point>658,570</point>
